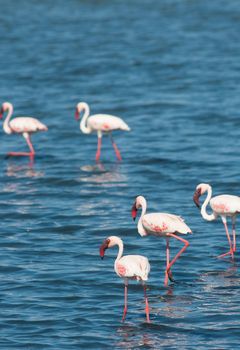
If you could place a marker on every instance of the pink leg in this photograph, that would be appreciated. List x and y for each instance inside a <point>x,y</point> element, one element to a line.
<point>186,244</point>
<point>118,154</point>
<point>30,154</point>
<point>229,241</point>
<point>99,148</point>
<point>234,232</point>
<point>146,303</point>
<point>125,302</point>
<point>167,263</point>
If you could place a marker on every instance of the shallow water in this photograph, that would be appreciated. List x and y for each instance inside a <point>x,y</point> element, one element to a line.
<point>170,69</point>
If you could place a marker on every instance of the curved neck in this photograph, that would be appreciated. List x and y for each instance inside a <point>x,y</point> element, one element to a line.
<point>120,250</point>
<point>140,227</point>
<point>83,125</point>
<point>205,215</point>
<point>6,127</point>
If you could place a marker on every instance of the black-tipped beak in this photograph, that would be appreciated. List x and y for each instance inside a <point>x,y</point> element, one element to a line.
<point>134,211</point>
<point>196,196</point>
<point>103,247</point>
<point>76,114</point>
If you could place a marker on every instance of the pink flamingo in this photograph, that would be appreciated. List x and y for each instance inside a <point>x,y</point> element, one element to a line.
<point>21,125</point>
<point>100,123</point>
<point>223,205</point>
<point>135,267</point>
<point>162,225</point>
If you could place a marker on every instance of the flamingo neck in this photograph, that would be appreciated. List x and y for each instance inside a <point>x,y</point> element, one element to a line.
<point>83,125</point>
<point>6,127</point>
<point>205,215</point>
<point>141,229</point>
<point>117,241</point>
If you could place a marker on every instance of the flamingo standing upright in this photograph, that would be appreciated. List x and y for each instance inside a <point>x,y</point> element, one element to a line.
<point>21,125</point>
<point>162,225</point>
<point>128,267</point>
<point>224,205</point>
<point>100,123</point>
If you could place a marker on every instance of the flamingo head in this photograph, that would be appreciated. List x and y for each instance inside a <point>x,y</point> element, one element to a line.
<point>200,190</point>
<point>103,247</point>
<point>136,205</point>
<point>81,106</point>
<point>5,107</point>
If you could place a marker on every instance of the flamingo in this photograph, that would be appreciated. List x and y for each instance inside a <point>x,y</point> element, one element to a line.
<point>21,125</point>
<point>100,123</point>
<point>224,205</point>
<point>162,225</point>
<point>135,267</point>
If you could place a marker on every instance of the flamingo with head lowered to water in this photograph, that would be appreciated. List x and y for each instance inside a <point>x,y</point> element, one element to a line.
<point>100,123</point>
<point>224,205</point>
<point>21,125</point>
<point>134,267</point>
<point>161,225</point>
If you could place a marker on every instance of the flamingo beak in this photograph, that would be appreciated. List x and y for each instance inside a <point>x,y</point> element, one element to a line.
<point>103,247</point>
<point>1,113</point>
<point>76,114</point>
<point>196,196</point>
<point>134,211</point>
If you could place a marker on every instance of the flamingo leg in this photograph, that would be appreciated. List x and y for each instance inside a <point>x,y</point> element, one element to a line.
<point>146,303</point>
<point>99,148</point>
<point>118,154</point>
<point>29,154</point>
<point>186,244</point>
<point>167,262</point>
<point>234,232</point>
<point>231,252</point>
<point>125,301</point>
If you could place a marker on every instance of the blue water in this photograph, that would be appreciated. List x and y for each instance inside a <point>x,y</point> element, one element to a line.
<point>171,70</point>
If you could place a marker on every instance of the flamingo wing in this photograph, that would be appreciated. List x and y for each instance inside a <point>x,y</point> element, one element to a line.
<point>133,266</point>
<point>163,223</point>
<point>26,124</point>
<point>105,122</point>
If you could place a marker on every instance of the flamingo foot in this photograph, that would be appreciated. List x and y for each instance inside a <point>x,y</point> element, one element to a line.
<point>231,252</point>
<point>17,154</point>
<point>168,276</point>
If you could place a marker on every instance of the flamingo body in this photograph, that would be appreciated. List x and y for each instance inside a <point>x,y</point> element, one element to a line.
<point>100,123</point>
<point>21,125</point>
<point>31,125</point>
<point>224,205</point>
<point>134,267</point>
<point>106,123</point>
<point>162,225</point>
